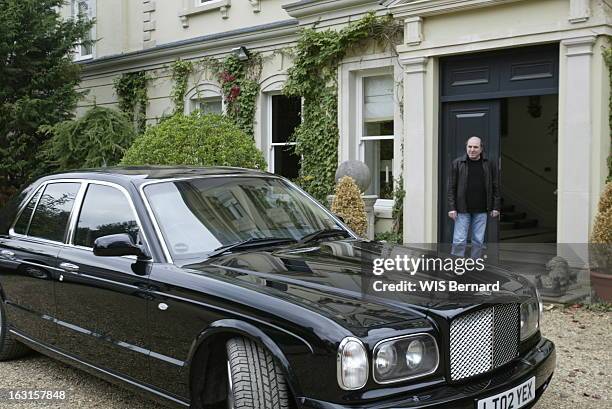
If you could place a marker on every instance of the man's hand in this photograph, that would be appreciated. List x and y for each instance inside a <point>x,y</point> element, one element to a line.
<point>453,214</point>
<point>494,213</point>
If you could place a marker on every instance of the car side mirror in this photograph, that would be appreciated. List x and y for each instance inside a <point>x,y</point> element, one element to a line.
<point>118,245</point>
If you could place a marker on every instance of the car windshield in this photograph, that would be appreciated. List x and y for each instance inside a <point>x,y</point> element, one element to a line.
<point>197,216</point>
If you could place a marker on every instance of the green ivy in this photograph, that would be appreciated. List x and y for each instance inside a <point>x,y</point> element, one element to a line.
<point>240,83</point>
<point>314,78</point>
<point>131,88</point>
<point>608,58</point>
<point>180,75</point>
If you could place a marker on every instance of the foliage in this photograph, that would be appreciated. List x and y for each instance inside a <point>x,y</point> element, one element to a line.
<point>389,237</point>
<point>608,59</point>
<point>180,75</point>
<point>240,83</point>
<point>602,229</point>
<point>349,205</point>
<point>398,208</point>
<point>37,80</point>
<point>314,77</point>
<point>131,88</point>
<point>98,138</point>
<point>198,140</point>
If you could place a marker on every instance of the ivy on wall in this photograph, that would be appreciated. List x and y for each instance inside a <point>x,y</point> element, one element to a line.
<point>180,75</point>
<point>131,89</point>
<point>314,78</point>
<point>608,58</point>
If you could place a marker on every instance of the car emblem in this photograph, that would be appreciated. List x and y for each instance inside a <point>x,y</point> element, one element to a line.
<point>162,306</point>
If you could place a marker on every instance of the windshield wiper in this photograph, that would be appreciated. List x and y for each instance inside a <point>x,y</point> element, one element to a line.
<point>323,233</point>
<point>249,243</point>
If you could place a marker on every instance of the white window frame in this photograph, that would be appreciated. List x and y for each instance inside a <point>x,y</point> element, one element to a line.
<point>272,145</point>
<point>195,102</point>
<point>360,124</point>
<point>78,52</point>
<point>198,3</point>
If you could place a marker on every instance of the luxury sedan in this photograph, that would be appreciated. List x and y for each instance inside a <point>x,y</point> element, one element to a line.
<point>233,288</point>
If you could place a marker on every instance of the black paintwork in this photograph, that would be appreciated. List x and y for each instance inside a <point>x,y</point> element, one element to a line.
<point>298,299</point>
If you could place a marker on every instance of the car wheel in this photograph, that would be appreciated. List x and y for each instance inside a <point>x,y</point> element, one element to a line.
<point>255,380</point>
<point>9,347</point>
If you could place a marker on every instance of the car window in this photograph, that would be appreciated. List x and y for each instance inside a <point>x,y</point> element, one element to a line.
<point>105,211</point>
<point>50,219</point>
<point>22,223</point>
<point>198,215</point>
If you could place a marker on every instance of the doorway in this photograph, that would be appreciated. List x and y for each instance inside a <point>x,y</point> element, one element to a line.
<point>508,98</point>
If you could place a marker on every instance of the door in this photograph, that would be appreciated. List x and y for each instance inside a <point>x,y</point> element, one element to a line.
<point>28,260</point>
<point>462,120</point>
<point>102,301</point>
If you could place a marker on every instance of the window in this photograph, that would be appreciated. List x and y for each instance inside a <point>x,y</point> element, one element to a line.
<point>21,226</point>
<point>84,9</point>
<point>286,116</point>
<point>212,105</point>
<point>105,211</point>
<point>377,132</point>
<point>50,219</point>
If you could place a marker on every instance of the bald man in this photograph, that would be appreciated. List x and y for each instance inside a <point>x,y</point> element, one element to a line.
<point>473,191</point>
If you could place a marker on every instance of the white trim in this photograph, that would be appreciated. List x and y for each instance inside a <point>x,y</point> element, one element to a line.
<point>405,8</point>
<point>92,4</point>
<point>193,7</point>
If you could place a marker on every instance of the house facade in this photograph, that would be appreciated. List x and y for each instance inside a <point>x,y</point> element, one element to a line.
<point>527,76</point>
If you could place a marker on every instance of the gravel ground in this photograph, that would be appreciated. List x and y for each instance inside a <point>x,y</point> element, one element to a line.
<point>583,379</point>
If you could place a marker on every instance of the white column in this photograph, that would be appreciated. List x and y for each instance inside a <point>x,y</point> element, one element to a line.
<point>575,138</point>
<point>415,212</point>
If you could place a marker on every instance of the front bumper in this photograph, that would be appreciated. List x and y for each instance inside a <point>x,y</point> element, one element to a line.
<point>539,362</point>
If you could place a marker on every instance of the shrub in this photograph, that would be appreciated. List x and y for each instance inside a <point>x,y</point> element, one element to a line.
<point>98,138</point>
<point>349,205</point>
<point>602,229</point>
<point>197,140</point>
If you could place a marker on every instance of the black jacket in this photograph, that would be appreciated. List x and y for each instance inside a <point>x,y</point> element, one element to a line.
<point>458,181</point>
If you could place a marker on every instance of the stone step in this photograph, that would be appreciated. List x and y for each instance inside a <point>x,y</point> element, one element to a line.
<point>512,216</point>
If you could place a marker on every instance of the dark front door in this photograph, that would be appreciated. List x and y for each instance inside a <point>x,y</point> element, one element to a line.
<point>102,301</point>
<point>462,120</point>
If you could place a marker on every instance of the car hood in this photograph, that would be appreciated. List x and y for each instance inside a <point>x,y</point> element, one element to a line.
<point>332,279</point>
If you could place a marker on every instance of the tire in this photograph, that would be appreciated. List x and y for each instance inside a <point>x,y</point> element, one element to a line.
<point>255,380</point>
<point>10,348</point>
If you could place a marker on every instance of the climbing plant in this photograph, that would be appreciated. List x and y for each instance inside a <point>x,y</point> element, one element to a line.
<point>180,75</point>
<point>314,78</point>
<point>131,88</point>
<point>240,84</point>
<point>608,58</point>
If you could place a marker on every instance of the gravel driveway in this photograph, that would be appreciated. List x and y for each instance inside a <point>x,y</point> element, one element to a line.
<point>583,378</point>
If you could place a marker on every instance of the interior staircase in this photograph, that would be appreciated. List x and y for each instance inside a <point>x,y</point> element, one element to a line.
<point>518,227</point>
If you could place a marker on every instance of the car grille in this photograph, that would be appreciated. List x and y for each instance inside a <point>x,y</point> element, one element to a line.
<point>484,340</point>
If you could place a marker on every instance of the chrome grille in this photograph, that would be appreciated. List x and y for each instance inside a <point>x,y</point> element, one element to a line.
<point>483,340</point>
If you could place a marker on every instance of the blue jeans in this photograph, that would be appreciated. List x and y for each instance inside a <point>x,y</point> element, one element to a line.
<point>478,223</point>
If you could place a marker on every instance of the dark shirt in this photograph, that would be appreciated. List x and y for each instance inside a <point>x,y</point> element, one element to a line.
<point>476,190</point>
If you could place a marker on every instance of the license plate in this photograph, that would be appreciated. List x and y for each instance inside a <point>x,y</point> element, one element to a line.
<point>514,398</point>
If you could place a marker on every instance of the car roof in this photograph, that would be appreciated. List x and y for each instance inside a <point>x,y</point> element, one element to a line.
<point>142,174</point>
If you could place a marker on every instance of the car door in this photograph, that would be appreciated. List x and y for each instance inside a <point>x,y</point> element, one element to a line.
<point>28,259</point>
<point>102,301</point>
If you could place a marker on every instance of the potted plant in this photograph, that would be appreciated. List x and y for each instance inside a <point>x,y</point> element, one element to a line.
<point>600,250</point>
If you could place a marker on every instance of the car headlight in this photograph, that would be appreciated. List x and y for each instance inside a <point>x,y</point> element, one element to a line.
<point>403,358</point>
<point>352,364</point>
<point>530,317</point>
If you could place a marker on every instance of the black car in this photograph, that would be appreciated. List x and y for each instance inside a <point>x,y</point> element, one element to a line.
<point>226,287</point>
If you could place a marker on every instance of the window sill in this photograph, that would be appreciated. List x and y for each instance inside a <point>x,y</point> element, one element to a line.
<point>383,208</point>
<point>82,58</point>
<point>192,10</point>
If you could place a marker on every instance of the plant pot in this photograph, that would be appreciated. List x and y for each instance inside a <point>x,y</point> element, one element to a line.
<point>601,283</point>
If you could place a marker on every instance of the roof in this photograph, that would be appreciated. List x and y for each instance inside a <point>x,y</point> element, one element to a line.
<point>135,174</point>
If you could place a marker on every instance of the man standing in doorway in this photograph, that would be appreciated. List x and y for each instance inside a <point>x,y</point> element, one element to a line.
<point>473,191</point>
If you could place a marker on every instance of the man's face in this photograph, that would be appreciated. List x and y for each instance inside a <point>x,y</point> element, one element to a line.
<point>474,148</point>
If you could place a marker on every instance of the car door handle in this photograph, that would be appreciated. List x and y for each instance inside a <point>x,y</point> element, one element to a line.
<point>8,254</point>
<point>69,267</point>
